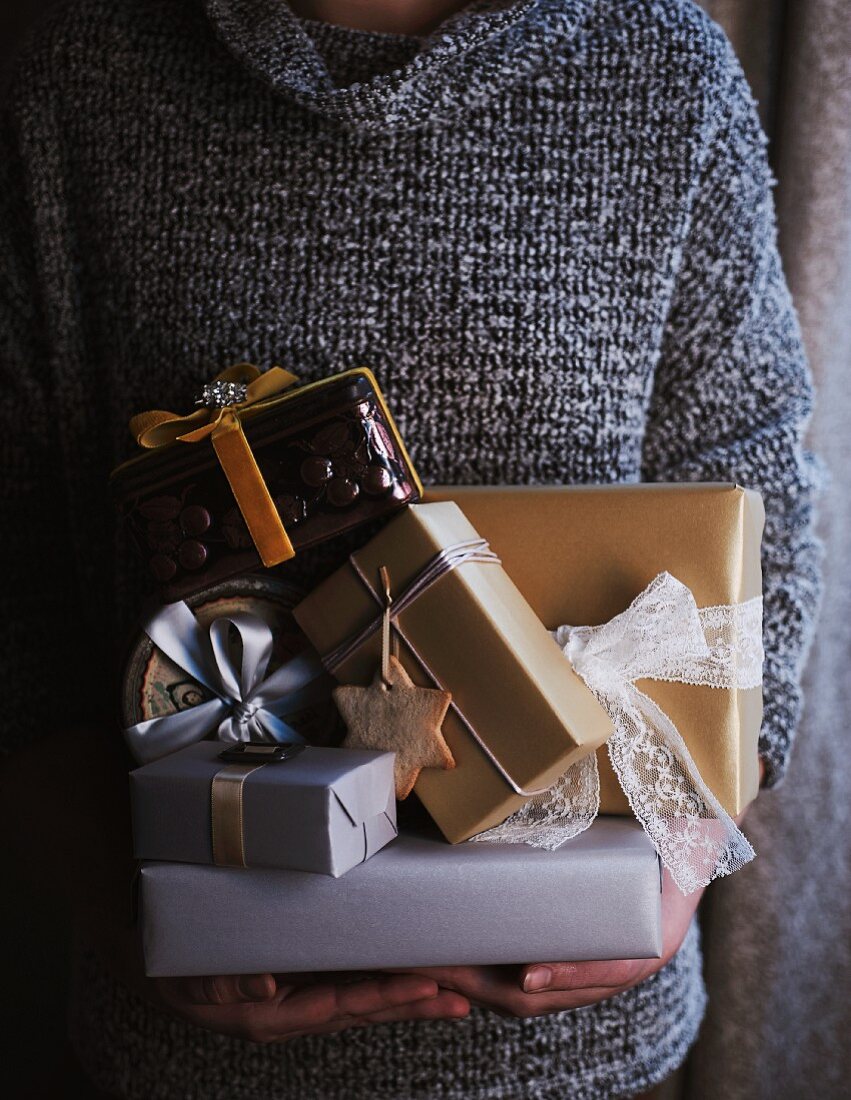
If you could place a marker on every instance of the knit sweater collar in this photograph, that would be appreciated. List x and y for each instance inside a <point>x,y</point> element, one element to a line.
<point>469,56</point>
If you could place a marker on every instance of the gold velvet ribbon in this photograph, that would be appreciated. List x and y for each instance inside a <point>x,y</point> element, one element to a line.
<point>226,793</point>
<point>223,426</point>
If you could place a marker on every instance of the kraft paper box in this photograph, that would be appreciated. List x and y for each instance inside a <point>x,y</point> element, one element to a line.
<point>419,902</point>
<point>581,554</point>
<point>325,810</point>
<point>481,641</point>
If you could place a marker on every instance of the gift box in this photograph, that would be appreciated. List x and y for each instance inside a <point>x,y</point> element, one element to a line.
<point>419,902</point>
<point>323,810</point>
<point>519,717</point>
<point>268,468</point>
<point>156,686</point>
<point>581,554</point>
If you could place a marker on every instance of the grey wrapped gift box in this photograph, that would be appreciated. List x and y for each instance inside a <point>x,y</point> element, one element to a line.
<point>420,902</point>
<point>325,810</point>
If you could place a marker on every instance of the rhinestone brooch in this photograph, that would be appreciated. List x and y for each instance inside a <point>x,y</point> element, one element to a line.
<point>218,395</point>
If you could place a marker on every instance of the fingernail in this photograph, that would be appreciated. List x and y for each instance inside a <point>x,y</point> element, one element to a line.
<point>254,987</point>
<point>424,991</point>
<point>538,978</point>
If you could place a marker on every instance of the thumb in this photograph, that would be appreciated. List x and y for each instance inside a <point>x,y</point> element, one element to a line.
<point>228,989</point>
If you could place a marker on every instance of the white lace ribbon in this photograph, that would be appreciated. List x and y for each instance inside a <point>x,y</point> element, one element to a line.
<point>662,635</point>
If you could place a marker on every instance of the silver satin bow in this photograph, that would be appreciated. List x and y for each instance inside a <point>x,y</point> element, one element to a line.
<point>248,705</point>
<point>662,635</point>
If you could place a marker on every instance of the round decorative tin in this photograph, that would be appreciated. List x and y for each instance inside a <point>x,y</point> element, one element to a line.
<point>154,685</point>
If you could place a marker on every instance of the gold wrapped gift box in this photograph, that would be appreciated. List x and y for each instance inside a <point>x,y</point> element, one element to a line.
<point>581,554</point>
<point>479,639</point>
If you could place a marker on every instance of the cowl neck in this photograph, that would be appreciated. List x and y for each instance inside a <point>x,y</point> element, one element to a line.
<point>470,55</point>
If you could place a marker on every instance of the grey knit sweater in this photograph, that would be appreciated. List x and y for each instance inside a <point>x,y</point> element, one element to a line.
<point>547,226</point>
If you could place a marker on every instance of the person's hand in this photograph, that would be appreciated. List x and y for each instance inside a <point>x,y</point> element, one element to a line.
<point>542,988</point>
<point>263,1008</point>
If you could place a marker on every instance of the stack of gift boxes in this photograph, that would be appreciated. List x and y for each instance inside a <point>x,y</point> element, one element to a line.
<point>470,650</point>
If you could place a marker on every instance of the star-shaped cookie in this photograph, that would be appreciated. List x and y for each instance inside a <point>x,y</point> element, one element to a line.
<point>399,717</point>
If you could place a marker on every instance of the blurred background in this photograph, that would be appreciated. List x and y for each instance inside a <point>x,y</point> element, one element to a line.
<point>777,934</point>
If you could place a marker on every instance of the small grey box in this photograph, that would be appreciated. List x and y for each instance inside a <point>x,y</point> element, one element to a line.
<point>324,810</point>
<point>420,902</point>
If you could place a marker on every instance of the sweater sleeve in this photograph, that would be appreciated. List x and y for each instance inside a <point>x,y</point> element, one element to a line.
<point>40,653</point>
<point>733,393</point>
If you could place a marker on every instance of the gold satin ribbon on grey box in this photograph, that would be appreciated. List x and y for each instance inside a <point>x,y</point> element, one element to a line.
<point>227,831</point>
<point>323,810</point>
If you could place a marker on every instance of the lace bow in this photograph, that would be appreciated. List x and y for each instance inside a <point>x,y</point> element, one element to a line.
<point>661,636</point>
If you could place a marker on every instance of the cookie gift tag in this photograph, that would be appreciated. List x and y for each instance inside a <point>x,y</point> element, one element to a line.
<point>394,714</point>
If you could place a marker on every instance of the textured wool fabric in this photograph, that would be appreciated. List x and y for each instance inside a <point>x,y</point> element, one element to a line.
<point>548,228</point>
<point>779,970</point>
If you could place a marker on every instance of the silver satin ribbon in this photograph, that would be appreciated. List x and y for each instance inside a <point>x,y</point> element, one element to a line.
<point>248,705</point>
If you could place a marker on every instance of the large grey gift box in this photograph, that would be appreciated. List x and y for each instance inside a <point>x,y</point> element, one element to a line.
<point>324,810</point>
<point>420,902</point>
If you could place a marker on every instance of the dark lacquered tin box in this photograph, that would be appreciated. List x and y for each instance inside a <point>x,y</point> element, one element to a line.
<point>329,453</point>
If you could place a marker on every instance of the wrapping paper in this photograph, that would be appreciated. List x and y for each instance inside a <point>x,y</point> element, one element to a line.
<point>419,902</point>
<point>324,811</point>
<point>581,554</point>
<point>517,699</point>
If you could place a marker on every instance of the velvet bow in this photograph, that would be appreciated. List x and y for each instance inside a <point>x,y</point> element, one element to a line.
<point>223,426</point>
